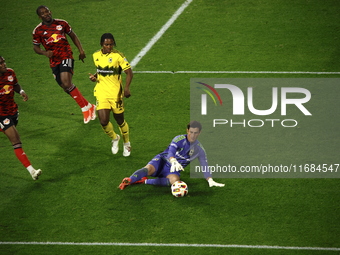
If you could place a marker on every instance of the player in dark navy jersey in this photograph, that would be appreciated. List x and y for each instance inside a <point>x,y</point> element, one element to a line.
<point>167,165</point>
<point>9,114</point>
<point>52,35</point>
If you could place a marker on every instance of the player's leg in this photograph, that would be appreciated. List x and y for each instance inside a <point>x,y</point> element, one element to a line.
<point>140,176</point>
<point>165,177</point>
<point>63,75</point>
<point>104,119</point>
<point>123,126</point>
<point>124,130</point>
<point>14,138</point>
<point>104,111</point>
<point>164,181</point>
<point>118,114</point>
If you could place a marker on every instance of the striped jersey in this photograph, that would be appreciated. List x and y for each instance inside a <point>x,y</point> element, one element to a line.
<point>53,38</point>
<point>7,81</point>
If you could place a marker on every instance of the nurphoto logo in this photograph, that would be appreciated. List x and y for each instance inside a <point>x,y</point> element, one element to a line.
<point>238,100</point>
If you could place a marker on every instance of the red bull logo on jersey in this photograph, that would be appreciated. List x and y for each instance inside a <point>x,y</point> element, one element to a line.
<point>6,89</point>
<point>55,38</point>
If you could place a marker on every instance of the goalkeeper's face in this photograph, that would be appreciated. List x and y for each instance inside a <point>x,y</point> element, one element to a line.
<point>193,133</point>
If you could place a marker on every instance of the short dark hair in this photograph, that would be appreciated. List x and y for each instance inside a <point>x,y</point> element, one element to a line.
<point>40,7</point>
<point>107,36</point>
<point>195,124</point>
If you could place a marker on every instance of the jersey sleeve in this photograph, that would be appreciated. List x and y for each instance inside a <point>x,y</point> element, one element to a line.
<point>172,149</point>
<point>36,37</point>
<point>67,27</point>
<point>124,63</point>
<point>202,158</point>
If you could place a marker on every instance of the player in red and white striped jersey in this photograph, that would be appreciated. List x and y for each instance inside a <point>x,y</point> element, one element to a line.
<point>52,35</point>
<point>9,114</point>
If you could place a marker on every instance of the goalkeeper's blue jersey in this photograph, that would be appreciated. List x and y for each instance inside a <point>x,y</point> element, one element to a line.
<point>185,152</point>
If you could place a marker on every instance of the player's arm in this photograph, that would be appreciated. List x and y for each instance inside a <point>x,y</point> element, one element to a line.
<point>204,163</point>
<point>175,165</point>
<point>77,43</point>
<point>128,79</point>
<point>19,90</point>
<point>39,51</point>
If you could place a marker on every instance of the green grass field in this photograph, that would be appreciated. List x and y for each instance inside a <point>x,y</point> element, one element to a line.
<point>76,200</point>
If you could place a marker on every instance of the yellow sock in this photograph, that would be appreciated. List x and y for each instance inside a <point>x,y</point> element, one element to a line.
<point>124,130</point>
<point>108,129</point>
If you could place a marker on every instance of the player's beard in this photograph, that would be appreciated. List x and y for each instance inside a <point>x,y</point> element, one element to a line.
<point>48,20</point>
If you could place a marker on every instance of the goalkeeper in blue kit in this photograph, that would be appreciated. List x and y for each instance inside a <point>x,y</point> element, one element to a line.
<point>167,165</point>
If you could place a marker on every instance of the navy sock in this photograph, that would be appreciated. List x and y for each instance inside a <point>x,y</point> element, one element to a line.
<point>139,174</point>
<point>158,181</point>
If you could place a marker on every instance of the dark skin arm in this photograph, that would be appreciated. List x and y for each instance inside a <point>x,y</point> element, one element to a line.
<point>77,43</point>
<point>129,76</point>
<point>39,51</point>
<point>18,89</point>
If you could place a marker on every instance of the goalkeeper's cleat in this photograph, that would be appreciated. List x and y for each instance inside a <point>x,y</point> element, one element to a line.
<point>35,174</point>
<point>127,149</point>
<point>141,180</point>
<point>92,112</point>
<point>115,143</point>
<point>125,182</point>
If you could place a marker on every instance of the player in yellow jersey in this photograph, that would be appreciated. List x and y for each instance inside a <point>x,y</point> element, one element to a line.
<point>110,92</point>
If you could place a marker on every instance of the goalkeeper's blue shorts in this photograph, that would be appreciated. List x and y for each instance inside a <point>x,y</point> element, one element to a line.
<point>162,167</point>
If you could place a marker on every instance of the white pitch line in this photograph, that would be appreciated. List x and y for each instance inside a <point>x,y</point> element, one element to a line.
<point>142,53</point>
<point>179,245</point>
<point>235,72</point>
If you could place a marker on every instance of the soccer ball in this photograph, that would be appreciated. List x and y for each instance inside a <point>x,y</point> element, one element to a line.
<point>179,189</point>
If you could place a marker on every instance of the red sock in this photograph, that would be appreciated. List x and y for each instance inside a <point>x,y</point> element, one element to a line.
<point>78,97</point>
<point>21,155</point>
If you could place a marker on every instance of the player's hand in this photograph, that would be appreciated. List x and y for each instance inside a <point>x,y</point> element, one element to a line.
<point>23,95</point>
<point>212,183</point>
<point>92,77</point>
<point>48,53</point>
<point>175,165</point>
<point>127,93</point>
<point>82,56</point>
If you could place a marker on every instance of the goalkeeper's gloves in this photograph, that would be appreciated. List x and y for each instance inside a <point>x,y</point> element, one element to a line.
<point>212,183</point>
<point>175,165</point>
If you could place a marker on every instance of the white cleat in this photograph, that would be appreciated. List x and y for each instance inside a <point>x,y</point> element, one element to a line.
<point>127,149</point>
<point>35,174</point>
<point>115,147</point>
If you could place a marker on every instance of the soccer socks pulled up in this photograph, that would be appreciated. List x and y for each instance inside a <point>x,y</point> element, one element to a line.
<point>108,129</point>
<point>158,182</point>
<point>78,97</point>
<point>139,174</point>
<point>21,155</point>
<point>124,130</point>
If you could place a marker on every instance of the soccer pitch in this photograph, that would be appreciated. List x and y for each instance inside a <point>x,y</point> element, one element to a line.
<point>76,208</point>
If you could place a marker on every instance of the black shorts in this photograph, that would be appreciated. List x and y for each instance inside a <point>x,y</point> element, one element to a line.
<point>8,121</point>
<point>66,65</point>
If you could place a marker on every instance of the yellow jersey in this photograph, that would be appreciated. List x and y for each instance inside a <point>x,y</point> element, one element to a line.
<point>109,69</point>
